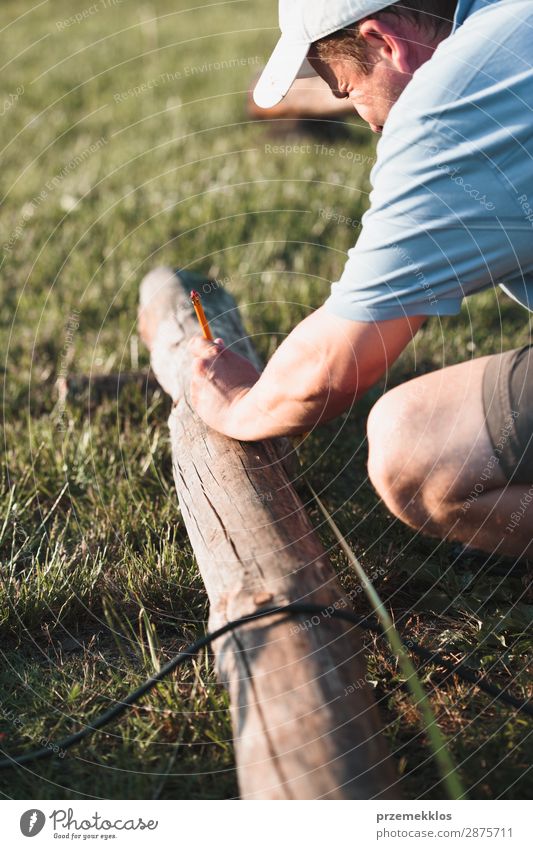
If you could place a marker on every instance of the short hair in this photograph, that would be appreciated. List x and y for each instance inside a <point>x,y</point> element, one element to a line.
<point>436,16</point>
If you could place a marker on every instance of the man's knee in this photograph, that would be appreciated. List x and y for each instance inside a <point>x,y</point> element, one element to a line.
<point>389,449</point>
<point>400,464</point>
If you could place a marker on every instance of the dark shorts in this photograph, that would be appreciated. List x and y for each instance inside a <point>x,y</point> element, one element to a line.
<point>508,401</point>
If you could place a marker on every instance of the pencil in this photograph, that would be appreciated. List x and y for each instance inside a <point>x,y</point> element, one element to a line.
<point>200,315</point>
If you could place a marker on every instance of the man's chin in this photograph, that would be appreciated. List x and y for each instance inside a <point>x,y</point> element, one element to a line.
<point>376,128</point>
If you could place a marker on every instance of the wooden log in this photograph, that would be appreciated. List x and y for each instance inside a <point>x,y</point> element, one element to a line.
<point>305,724</point>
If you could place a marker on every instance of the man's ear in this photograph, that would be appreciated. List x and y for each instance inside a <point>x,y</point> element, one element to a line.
<point>386,42</point>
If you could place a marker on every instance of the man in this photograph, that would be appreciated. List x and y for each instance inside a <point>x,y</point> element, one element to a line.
<point>450,86</point>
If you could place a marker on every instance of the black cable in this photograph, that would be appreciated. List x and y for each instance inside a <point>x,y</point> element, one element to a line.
<point>294,608</point>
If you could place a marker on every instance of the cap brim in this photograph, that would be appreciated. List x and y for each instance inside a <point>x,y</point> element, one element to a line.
<point>287,62</point>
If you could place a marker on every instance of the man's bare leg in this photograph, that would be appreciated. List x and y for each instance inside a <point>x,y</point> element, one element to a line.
<point>433,464</point>
<point>308,98</point>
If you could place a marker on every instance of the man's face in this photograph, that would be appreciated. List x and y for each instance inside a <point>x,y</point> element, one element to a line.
<point>395,49</point>
<point>372,95</point>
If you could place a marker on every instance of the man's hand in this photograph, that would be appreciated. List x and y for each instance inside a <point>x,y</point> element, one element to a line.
<point>220,378</point>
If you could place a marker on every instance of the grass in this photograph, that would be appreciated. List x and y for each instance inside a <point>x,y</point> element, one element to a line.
<point>101,181</point>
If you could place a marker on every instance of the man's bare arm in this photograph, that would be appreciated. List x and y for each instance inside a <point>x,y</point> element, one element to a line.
<point>321,368</point>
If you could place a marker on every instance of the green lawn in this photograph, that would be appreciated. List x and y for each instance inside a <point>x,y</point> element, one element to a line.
<point>125,145</point>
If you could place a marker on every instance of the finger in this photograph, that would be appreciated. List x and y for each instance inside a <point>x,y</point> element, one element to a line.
<point>203,368</point>
<point>200,347</point>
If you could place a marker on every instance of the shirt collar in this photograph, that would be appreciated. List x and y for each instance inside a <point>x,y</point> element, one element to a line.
<point>465,8</point>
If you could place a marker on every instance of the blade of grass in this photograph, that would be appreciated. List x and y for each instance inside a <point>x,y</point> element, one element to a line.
<point>437,740</point>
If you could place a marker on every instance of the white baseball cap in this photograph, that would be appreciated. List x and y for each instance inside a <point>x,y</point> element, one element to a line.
<point>302,22</point>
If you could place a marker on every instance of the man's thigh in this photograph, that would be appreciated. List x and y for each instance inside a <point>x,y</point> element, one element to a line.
<point>465,426</point>
<point>433,433</point>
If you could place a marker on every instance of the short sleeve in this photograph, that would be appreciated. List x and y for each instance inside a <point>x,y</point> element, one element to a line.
<point>445,219</point>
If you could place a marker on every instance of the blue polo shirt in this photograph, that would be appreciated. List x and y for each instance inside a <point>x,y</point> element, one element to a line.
<point>452,191</point>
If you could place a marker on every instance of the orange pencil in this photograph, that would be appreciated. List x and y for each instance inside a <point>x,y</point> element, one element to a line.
<point>200,315</point>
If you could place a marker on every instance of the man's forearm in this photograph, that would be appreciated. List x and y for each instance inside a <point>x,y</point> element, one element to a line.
<point>320,369</point>
<point>270,409</point>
